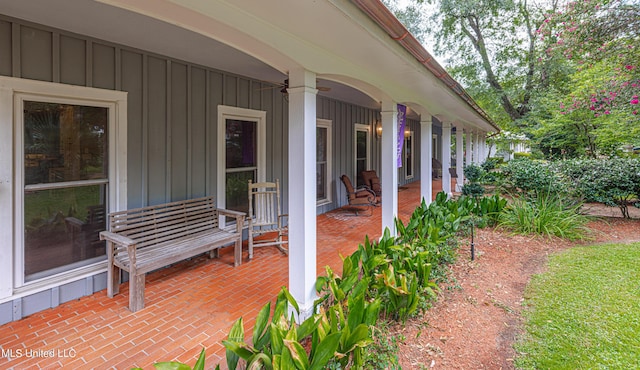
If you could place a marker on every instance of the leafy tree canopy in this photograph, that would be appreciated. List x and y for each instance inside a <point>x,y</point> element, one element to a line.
<point>566,73</point>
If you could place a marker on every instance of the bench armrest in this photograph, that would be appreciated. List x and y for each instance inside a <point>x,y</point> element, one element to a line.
<point>117,239</point>
<point>239,216</point>
<point>230,213</point>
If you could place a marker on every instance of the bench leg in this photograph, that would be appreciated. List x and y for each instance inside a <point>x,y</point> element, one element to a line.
<point>136,292</point>
<point>113,273</point>
<point>113,281</point>
<point>214,253</point>
<point>237,253</point>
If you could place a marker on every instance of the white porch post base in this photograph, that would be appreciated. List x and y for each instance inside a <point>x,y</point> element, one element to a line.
<point>305,312</point>
<point>302,187</point>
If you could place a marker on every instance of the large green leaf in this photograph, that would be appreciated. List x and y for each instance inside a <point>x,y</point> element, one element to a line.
<point>240,349</point>
<point>298,354</point>
<point>308,326</point>
<point>260,332</point>
<point>200,363</point>
<point>356,311</point>
<point>325,351</point>
<point>171,366</point>
<point>358,338</point>
<point>236,334</point>
<point>259,362</point>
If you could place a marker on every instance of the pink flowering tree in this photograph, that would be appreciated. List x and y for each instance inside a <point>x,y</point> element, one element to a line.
<point>600,40</point>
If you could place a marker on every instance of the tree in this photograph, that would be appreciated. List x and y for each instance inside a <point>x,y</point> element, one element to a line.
<point>599,39</point>
<point>564,72</point>
<point>495,39</point>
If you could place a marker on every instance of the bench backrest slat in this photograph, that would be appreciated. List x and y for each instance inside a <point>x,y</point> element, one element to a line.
<point>154,224</point>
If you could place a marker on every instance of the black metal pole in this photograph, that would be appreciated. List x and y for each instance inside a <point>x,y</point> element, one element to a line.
<point>473,247</point>
<point>473,223</point>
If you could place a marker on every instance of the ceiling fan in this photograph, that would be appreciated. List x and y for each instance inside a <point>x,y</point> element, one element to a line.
<point>285,85</point>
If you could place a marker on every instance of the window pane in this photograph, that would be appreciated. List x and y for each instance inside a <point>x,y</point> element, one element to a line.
<point>237,190</point>
<point>321,181</point>
<point>241,144</point>
<point>321,144</point>
<point>61,228</point>
<point>361,144</point>
<point>64,142</point>
<point>321,163</point>
<point>361,165</point>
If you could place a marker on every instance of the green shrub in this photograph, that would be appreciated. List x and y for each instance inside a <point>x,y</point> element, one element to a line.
<point>520,155</point>
<point>613,181</point>
<point>490,208</point>
<point>492,163</point>
<point>532,177</point>
<point>546,214</point>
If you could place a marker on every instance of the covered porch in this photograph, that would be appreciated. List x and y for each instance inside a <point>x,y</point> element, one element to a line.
<point>190,305</point>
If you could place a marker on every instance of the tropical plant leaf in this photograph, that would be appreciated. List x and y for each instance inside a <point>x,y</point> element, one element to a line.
<point>325,351</point>
<point>298,354</point>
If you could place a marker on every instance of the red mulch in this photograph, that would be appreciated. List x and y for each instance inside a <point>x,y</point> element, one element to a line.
<point>477,317</point>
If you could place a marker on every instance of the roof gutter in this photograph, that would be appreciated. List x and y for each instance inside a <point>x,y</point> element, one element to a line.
<point>379,13</point>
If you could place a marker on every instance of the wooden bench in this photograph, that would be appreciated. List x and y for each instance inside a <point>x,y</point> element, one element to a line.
<point>145,239</point>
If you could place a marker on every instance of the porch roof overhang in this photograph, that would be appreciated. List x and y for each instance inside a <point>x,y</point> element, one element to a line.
<point>355,43</point>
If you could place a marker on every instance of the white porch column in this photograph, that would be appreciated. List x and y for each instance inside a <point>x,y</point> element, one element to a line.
<point>389,165</point>
<point>459,158</point>
<point>302,189</point>
<point>468,148</point>
<point>446,157</point>
<point>476,148</point>
<point>426,153</point>
<point>483,148</point>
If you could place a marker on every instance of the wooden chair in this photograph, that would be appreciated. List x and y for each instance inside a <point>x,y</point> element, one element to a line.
<point>265,216</point>
<point>360,198</point>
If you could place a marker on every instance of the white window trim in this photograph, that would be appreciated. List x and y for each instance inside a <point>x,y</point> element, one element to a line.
<point>411,135</point>
<point>13,91</point>
<point>367,129</point>
<point>260,117</point>
<point>324,123</point>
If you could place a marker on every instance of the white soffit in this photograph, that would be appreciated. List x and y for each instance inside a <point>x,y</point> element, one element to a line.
<point>332,38</point>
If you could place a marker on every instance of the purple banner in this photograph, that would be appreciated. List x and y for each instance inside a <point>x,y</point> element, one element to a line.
<point>402,121</point>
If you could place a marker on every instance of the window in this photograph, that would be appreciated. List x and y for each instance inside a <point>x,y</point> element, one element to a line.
<point>69,171</point>
<point>323,161</point>
<point>65,181</point>
<point>361,149</point>
<point>241,154</point>
<point>408,155</point>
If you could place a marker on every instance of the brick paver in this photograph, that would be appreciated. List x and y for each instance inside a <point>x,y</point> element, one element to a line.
<point>189,306</point>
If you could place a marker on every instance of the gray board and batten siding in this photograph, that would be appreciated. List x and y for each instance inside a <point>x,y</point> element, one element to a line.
<point>171,128</point>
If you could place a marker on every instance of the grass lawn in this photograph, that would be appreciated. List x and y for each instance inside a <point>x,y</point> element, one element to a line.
<point>584,312</point>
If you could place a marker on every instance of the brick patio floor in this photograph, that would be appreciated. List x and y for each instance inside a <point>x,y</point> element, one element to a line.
<point>189,306</point>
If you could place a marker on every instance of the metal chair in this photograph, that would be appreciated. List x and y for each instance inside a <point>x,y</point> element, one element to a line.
<point>372,181</point>
<point>265,216</point>
<point>360,198</point>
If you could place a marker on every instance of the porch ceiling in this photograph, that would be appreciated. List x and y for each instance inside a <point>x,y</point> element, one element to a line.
<point>265,40</point>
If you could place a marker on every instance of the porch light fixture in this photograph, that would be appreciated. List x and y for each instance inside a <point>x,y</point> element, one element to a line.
<point>378,129</point>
